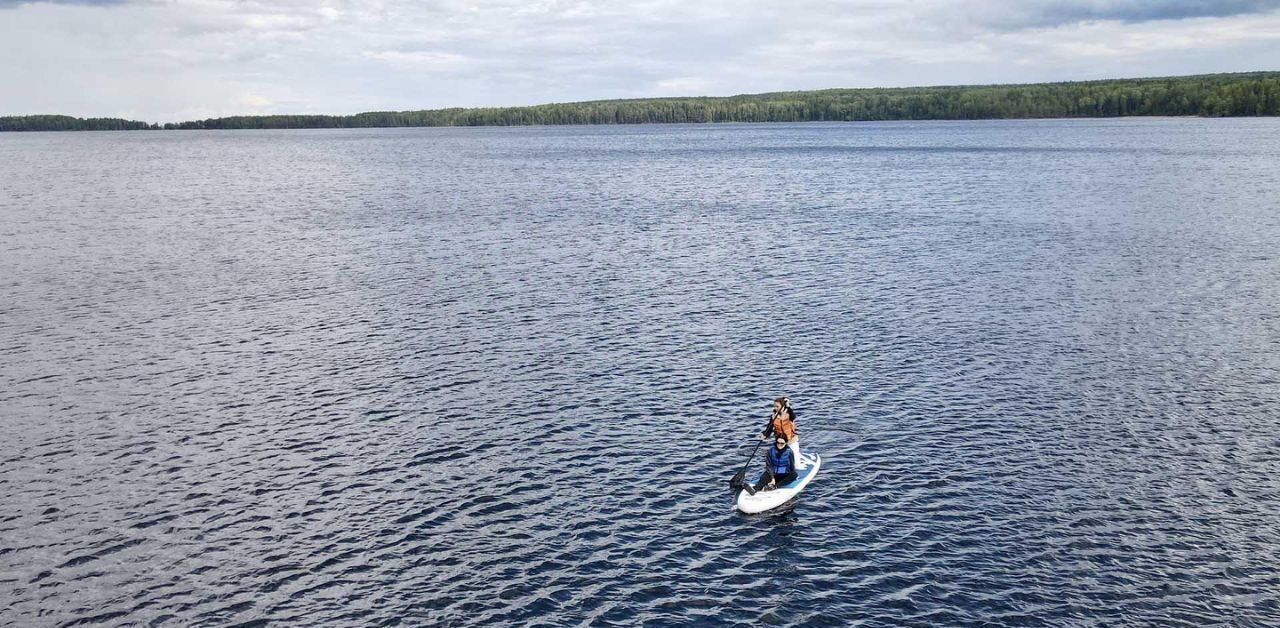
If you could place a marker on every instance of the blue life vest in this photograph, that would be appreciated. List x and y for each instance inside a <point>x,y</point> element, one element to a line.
<point>780,462</point>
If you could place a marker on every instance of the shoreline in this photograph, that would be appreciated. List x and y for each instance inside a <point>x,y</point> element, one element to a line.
<point>1252,94</point>
<point>652,124</point>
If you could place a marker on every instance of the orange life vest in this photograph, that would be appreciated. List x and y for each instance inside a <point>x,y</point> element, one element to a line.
<point>784,426</point>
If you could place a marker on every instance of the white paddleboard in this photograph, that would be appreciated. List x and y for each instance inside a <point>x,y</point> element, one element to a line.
<point>768,500</point>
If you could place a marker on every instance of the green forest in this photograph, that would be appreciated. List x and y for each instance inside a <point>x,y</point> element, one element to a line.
<point>1210,95</point>
<point>68,123</point>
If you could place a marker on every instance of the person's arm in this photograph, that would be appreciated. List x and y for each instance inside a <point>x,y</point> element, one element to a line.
<point>768,429</point>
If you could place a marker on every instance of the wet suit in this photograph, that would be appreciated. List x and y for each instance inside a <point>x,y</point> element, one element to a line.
<point>780,467</point>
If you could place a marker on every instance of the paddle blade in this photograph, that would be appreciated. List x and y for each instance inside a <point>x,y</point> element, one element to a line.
<point>735,482</point>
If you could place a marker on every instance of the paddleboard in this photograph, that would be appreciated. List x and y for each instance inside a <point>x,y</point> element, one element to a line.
<point>768,500</point>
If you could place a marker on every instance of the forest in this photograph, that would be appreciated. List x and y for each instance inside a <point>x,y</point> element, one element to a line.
<point>1210,95</point>
<point>68,123</point>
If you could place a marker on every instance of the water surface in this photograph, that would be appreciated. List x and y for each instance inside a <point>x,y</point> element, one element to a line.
<point>500,376</point>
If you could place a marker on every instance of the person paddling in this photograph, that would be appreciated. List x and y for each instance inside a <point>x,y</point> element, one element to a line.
<point>783,423</point>
<point>779,469</point>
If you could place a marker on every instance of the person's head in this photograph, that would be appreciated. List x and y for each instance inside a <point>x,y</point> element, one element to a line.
<point>781,405</point>
<point>780,442</point>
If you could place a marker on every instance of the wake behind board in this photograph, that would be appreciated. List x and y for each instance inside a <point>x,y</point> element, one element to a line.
<point>768,500</point>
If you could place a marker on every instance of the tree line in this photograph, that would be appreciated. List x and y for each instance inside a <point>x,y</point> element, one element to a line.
<point>68,123</point>
<point>1213,95</point>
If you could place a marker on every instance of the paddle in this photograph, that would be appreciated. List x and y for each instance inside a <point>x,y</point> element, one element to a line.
<point>736,481</point>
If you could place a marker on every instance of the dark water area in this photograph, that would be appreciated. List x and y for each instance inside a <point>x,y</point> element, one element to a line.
<point>501,376</point>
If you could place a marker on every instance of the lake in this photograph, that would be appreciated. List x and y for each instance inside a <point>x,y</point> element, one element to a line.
<point>502,375</point>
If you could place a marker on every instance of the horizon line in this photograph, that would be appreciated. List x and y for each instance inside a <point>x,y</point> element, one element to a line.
<point>661,98</point>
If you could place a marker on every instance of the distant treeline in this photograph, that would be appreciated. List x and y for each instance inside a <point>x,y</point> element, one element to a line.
<point>68,123</point>
<point>1247,94</point>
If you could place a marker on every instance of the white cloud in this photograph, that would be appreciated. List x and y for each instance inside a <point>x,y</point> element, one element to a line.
<point>254,101</point>
<point>681,86</point>
<point>165,61</point>
<point>1110,40</point>
<point>419,59</point>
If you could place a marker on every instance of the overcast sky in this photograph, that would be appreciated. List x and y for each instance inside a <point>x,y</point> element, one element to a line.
<point>161,61</point>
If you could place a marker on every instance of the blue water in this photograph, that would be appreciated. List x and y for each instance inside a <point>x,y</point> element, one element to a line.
<point>502,376</point>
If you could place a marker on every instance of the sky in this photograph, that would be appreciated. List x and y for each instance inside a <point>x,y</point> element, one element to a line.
<point>172,60</point>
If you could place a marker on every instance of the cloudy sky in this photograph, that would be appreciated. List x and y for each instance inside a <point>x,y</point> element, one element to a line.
<point>167,60</point>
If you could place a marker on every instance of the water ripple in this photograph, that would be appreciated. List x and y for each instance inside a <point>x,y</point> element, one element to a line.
<point>500,376</point>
